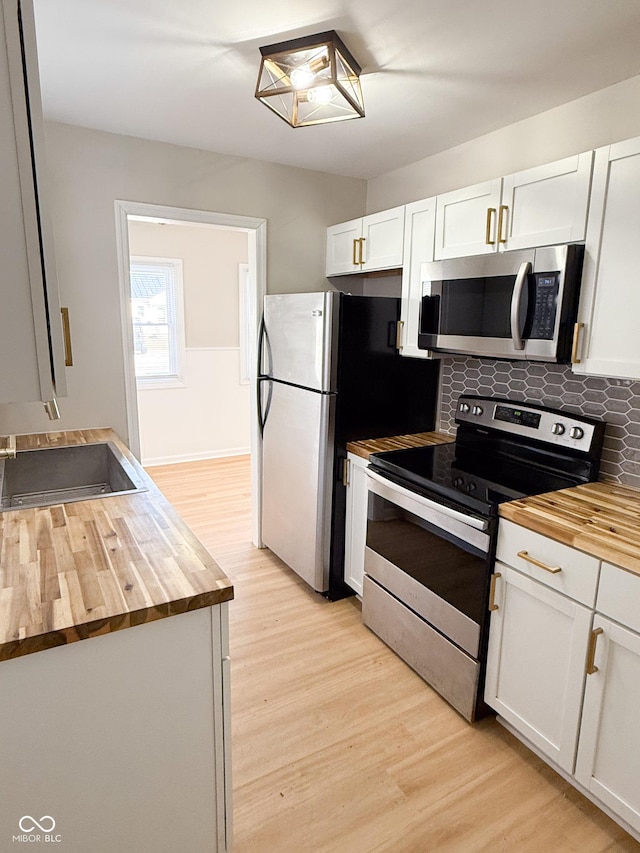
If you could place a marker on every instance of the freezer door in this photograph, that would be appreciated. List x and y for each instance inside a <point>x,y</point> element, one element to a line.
<point>296,486</point>
<point>300,339</point>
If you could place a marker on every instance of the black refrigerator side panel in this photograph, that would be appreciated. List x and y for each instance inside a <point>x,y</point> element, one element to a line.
<point>380,393</point>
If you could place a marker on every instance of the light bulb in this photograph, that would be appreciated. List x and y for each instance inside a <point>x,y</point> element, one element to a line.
<point>302,77</point>
<point>320,94</point>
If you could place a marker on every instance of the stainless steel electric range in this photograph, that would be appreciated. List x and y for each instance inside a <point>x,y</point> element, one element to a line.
<point>432,526</point>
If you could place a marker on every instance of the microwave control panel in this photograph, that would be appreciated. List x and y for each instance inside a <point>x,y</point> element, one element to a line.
<point>545,304</point>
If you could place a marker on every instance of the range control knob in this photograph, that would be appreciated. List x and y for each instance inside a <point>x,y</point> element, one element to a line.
<point>576,432</point>
<point>471,487</point>
<point>477,410</point>
<point>557,429</point>
<point>458,482</point>
<point>464,407</point>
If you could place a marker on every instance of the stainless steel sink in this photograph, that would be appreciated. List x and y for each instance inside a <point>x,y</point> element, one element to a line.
<point>55,475</point>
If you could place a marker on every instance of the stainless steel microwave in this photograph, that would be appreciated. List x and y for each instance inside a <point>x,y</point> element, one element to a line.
<point>512,305</point>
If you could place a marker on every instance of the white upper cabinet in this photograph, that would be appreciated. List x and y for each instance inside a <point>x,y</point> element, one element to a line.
<point>419,229</point>
<point>466,221</point>
<point>538,207</point>
<point>31,341</point>
<point>609,344</point>
<point>374,242</point>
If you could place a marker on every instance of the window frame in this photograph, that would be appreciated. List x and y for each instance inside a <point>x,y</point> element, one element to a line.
<point>177,340</point>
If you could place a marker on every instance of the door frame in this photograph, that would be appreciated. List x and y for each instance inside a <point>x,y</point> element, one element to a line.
<point>257,237</point>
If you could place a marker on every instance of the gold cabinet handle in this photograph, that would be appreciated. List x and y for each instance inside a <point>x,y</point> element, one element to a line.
<point>66,333</point>
<point>354,256</point>
<point>492,591</point>
<point>345,472</point>
<point>576,339</point>
<point>524,555</point>
<point>491,211</point>
<point>399,327</point>
<point>591,654</point>
<point>361,241</point>
<point>502,238</point>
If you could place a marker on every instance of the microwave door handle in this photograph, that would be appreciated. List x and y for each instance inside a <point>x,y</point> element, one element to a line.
<point>516,301</point>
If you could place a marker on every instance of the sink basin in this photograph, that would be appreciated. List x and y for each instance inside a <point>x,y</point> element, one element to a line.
<point>56,475</point>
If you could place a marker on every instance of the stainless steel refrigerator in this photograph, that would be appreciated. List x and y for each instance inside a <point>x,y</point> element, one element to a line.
<point>329,373</point>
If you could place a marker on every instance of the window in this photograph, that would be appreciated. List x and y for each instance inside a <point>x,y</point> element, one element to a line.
<point>156,314</point>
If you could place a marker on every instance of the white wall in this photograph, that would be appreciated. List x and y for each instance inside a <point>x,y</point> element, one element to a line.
<point>208,415</point>
<point>88,170</point>
<point>597,119</point>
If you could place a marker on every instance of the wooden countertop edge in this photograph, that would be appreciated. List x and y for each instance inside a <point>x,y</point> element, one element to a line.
<point>365,447</point>
<point>594,518</point>
<point>220,589</point>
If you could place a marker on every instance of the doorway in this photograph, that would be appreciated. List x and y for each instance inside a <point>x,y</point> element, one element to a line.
<point>254,277</point>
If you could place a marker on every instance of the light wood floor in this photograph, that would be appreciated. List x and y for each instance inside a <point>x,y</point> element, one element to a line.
<point>338,747</point>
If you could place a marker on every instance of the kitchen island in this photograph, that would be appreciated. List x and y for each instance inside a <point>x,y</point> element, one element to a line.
<point>121,742</point>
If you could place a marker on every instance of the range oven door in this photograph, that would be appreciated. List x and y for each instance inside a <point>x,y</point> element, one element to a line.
<point>427,569</point>
<point>516,305</point>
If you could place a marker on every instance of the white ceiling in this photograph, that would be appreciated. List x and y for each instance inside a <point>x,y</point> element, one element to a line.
<point>435,72</point>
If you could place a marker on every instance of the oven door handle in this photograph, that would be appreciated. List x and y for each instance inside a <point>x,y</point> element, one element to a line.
<point>516,301</point>
<point>469,520</point>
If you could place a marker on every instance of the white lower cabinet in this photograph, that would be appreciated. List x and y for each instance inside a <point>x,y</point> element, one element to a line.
<point>535,672</point>
<point>356,521</point>
<point>122,741</point>
<point>565,675</point>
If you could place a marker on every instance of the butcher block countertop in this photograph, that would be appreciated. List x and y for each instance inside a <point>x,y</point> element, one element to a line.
<point>397,442</point>
<point>77,570</point>
<point>602,519</point>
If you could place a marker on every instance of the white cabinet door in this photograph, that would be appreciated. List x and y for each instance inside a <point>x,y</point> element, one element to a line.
<point>610,296</point>
<point>419,231</point>
<point>546,205</point>
<point>467,221</point>
<point>536,663</point>
<point>356,521</point>
<point>382,240</point>
<point>31,348</point>
<point>372,243</point>
<point>609,751</point>
<point>343,248</point>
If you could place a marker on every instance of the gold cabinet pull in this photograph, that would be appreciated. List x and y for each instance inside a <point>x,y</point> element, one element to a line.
<point>345,472</point>
<point>399,327</point>
<point>524,555</point>
<point>491,211</point>
<point>361,241</point>
<point>591,654</point>
<point>354,256</point>
<point>66,333</point>
<point>492,591</point>
<point>502,238</point>
<point>576,339</point>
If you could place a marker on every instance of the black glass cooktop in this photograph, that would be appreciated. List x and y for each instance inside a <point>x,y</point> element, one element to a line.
<point>473,478</point>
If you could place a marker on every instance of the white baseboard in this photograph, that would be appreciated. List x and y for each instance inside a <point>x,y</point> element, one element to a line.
<point>195,457</point>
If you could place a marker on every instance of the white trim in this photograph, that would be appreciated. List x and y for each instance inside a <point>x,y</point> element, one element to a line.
<point>196,457</point>
<point>244,320</point>
<point>257,255</point>
<point>212,349</point>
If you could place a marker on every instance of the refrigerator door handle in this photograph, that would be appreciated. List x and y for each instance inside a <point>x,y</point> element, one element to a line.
<point>262,418</point>
<point>264,345</point>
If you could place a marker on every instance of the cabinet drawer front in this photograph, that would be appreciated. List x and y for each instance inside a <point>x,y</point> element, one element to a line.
<point>578,576</point>
<point>619,596</point>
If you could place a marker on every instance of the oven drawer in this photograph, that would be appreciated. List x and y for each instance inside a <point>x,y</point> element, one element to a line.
<point>440,613</point>
<point>444,666</point>
<point>523,549</point>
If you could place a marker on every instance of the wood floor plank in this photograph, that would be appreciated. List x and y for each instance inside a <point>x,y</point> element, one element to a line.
<point>339,747</point>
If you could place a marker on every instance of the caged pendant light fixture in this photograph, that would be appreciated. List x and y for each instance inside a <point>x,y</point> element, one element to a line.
<point>310,80</point>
